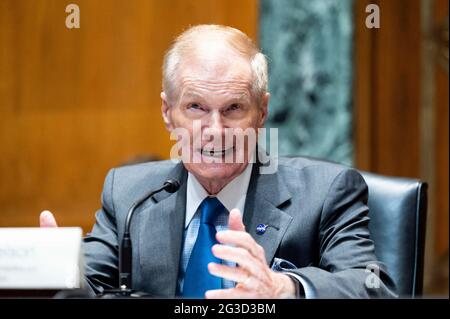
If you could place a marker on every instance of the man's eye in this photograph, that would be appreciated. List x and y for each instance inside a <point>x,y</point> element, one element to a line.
<point>234,107</point>
<point>195,106</point>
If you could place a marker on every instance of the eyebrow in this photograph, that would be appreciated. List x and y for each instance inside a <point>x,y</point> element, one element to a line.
<point>243,96</point>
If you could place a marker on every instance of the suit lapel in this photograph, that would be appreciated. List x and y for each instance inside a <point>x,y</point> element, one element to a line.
<point>161,237</point>
<point>265,198</point>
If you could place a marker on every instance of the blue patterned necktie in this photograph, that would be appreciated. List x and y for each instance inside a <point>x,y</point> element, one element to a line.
<point>197,279</point>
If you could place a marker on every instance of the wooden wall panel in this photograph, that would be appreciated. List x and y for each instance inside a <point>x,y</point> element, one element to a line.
<point>441,13</point>
<point>401,110</point>
<point>74,103</point>
<point>387,89</point>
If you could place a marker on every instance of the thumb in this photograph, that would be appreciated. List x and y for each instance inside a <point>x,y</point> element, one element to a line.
<point>235,220</point>
<point>47,220</point>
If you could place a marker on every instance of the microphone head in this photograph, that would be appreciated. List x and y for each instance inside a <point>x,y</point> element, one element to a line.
<point>171,185</point>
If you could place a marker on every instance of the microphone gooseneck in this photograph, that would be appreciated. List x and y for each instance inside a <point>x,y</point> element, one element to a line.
<point>125,253</point>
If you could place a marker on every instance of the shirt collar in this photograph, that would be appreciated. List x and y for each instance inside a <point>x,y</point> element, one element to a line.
<point>233,195</point>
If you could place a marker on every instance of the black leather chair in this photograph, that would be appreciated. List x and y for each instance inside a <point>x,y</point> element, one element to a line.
<point>398,208</point>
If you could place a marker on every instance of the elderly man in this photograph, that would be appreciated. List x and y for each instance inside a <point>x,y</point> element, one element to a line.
<point>231,231</point>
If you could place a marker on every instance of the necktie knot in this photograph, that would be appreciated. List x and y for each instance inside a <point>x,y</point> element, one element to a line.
<point>210,208</point>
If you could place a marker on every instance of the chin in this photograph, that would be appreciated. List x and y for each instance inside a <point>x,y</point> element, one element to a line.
<point>218,171</point>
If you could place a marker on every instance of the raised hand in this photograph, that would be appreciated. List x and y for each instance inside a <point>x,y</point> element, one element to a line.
<point>46,219</point>
<point>253,276</point>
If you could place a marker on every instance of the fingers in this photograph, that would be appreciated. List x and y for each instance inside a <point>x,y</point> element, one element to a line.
<point>251,272</point>
<point>235,220</point>
<point>239,256</point>
<point>243,240</point>
<point>46,219</point>
<point>231,293</point>
<point>227,272</point>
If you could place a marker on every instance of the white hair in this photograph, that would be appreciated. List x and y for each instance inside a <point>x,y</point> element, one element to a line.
<point>235,39</point>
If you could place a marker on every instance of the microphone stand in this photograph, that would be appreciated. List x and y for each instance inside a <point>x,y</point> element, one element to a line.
<point>126,252</point>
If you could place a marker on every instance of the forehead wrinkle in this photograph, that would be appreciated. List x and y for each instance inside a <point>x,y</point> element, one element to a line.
<point>236,87</point>
<point>188,80</point>
<point>195,91</point>
<point>219,74</point>
<point>235,98</point>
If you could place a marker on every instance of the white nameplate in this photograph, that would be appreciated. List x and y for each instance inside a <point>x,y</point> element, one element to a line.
<point>41,258</point>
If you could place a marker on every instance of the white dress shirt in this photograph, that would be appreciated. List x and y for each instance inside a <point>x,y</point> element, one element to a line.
<point>232,196</point>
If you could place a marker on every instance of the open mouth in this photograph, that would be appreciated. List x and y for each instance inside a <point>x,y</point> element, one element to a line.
<point>216,152</point>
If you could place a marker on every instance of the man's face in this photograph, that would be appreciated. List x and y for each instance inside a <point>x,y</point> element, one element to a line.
<point>216,91</point>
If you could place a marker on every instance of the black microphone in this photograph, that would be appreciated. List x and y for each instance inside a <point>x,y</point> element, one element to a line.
<point>125,250</point>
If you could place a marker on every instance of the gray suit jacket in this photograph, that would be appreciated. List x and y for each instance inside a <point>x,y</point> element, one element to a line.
<point>316,212</point>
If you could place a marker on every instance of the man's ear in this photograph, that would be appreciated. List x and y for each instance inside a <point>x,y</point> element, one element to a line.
<point>165,110</point>
<point>264,107</point>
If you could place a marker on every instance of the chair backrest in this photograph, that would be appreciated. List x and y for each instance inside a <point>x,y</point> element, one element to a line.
<point>398,208</point>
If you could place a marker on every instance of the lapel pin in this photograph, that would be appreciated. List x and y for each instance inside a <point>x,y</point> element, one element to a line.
<point>261,229</point>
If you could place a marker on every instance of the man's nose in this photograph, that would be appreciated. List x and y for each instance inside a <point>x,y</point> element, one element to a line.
<point>216,122</point>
